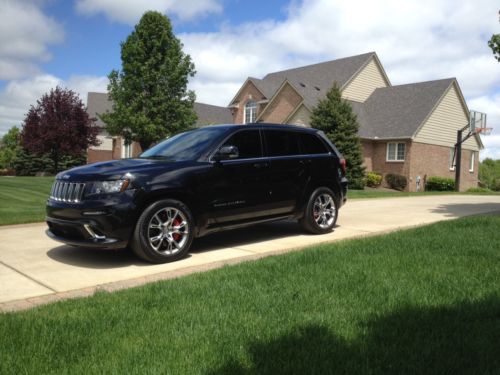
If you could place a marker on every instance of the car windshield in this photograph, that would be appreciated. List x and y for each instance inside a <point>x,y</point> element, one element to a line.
<point>184,146</point>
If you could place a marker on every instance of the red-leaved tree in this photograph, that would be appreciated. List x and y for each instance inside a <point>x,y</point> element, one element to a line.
<point>58,125</point>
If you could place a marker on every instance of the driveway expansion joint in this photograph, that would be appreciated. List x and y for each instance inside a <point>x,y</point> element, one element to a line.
<point>28,277</point>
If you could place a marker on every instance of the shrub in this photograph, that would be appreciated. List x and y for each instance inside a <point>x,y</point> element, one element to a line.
<point>29,164</point>
<point>7,172</point>
<point>373,179</point>
<point>435,183</point>
<point>478,190</point>
<point>396,181</point>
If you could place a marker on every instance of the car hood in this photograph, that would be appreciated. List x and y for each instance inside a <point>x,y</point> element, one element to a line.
<point>116,169</point>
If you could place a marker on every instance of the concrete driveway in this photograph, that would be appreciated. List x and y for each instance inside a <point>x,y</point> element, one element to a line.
<point>36,270</point>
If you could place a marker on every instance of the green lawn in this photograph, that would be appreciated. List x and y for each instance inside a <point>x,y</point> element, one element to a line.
<point>22,199</point>
<point>368,193</point>
<point>422,301</point>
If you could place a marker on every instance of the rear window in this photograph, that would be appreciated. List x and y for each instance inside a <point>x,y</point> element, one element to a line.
<point>311,144</point>
<point>282,143</point>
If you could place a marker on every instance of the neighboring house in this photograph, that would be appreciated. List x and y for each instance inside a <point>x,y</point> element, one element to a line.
<point>114,147</point>
<point>406,129</point>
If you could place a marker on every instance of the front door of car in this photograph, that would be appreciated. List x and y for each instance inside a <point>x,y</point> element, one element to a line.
<point>237,187</point>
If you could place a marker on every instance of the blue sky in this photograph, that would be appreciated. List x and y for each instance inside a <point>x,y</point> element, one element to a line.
<point>76,43</point>
<point>92,42</point>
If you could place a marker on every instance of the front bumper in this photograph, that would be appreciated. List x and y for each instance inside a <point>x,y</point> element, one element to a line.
<point>83,234</point>
<point>109,225</point>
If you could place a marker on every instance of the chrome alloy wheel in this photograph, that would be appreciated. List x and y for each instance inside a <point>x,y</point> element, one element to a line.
<point>324,211</point>
<point>168,231</point>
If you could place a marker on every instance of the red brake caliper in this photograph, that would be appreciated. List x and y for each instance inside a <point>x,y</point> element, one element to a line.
<point>176,236</point>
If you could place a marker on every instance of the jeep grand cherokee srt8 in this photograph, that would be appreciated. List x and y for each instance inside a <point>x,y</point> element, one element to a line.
<point>199,182</point>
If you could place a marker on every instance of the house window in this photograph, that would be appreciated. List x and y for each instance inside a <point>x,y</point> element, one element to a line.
<point>396,151</point>
<point>126,150</point>
<point>472,160</point>
<point>250,112</point>
<point>452,159</point>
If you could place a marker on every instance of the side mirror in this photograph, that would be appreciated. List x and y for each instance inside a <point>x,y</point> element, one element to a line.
<point>226,152</point>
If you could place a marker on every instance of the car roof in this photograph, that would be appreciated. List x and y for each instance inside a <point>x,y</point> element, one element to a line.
<point>260,125</point>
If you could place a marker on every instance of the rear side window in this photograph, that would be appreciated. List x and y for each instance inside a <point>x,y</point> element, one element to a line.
<point>248,143</point>
<point>311,144</point>
<point>282,143</point>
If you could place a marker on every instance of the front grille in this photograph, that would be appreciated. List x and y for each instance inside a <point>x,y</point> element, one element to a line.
<point>67,191</point>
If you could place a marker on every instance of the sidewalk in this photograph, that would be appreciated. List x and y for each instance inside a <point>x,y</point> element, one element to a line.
<point>36,270</point>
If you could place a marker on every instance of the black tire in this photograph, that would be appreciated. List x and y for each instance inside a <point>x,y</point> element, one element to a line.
<point>164,232</point>
<point>316,219</point>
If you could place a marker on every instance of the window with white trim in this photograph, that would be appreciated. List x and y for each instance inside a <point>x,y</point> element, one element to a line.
<point>472,161</point>
<point>250,112</point>
<point>396,151</point>
<point>126,150</point>
<point>451,162</point>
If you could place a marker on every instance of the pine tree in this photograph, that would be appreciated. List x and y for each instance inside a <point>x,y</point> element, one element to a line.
<point>335,117</point>
<point>150,96</point>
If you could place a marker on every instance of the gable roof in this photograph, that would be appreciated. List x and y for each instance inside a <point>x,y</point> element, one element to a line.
<point>398,111</point>
<point>312,82</point>
<point>98,103</point>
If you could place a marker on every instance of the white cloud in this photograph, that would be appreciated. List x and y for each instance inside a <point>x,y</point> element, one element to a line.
<point>25,33</point>
<point>491,147</point>
<point>19,95</point>
<point>130,11</point>
<point>416,40</point>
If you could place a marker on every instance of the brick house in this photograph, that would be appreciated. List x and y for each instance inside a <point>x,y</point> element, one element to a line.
<point>406,129</point>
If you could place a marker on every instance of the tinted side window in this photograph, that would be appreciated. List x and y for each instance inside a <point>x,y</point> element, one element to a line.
<point>282,143</point>
<point>311,144</point>
<point>248,143</point>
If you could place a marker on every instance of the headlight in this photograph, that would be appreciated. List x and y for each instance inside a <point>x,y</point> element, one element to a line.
<point>108,187</point>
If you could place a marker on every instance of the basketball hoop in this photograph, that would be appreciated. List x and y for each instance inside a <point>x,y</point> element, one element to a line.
<point>477,120</point>
<point>483,131</point>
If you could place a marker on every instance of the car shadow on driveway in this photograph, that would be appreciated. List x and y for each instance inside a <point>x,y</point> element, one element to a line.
<point>95,258</point>
<point>107,259</point>
<point>459,209</point>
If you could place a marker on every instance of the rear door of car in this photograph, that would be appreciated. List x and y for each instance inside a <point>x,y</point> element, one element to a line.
<point>289,173</point>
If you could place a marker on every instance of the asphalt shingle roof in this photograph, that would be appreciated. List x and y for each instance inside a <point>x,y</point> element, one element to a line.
<point>398,111</point>
<point>98,103</point>
<point>212,114</point>
<point>312,82</point>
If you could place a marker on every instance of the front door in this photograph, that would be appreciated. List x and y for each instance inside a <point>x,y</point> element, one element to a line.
<point>237,189</point>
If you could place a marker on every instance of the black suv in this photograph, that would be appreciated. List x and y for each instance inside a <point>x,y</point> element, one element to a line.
<point>199,182</point>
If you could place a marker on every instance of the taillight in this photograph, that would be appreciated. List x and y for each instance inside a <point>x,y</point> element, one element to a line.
<point>342,166</point>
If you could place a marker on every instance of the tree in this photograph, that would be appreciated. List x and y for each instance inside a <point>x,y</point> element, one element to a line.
<point>334,116</point>
<point>150,96</point>
<point>9,147</point>
<point>494,43</point>
<point>58,126</point>
<point>489,174</point>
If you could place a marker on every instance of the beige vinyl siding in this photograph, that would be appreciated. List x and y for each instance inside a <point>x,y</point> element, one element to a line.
<point>365,82</point>
<point>301,117</point>
<point>106,143</point>
<point>442,125</point>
